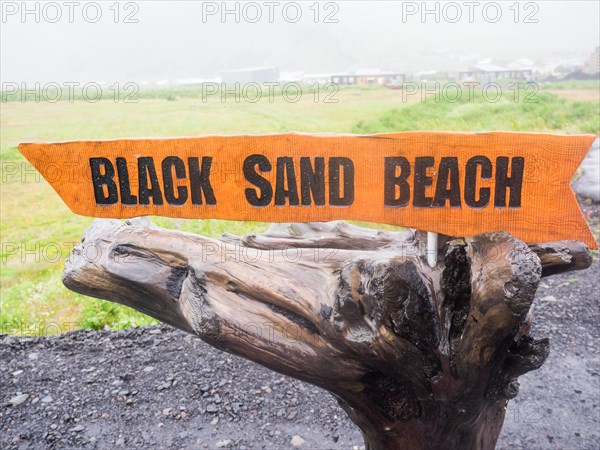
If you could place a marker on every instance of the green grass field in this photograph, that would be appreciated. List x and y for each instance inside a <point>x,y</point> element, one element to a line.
<point>38,230</point>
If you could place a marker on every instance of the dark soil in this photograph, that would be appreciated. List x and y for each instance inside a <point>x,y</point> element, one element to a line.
<point>160,388</point>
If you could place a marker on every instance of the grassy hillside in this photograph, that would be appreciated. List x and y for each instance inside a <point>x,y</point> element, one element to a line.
<point>549,114</point>
<point>38,231</point>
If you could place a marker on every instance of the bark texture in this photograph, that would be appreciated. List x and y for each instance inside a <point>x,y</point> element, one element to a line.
<point>419,357</point>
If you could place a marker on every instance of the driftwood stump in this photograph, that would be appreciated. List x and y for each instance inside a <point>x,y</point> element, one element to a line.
<point>419,357</point>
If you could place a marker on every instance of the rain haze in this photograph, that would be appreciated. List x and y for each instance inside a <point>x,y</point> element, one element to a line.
<point>155,41</point>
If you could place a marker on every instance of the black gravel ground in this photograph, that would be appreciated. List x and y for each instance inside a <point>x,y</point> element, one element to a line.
<point>160,388</point>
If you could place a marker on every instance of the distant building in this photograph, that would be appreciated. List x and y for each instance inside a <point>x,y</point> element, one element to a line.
<point>343,79</point>
<point>310,78</point>
<point>592,65</point>
<point>368,77</point>
<point>291,76</point>
<point>435,75</point>
<point>195,81</point>
<point>257,75</point>
<point>489,73</point>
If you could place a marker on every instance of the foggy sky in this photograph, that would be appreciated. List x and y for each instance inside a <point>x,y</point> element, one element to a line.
<point>172,42</point>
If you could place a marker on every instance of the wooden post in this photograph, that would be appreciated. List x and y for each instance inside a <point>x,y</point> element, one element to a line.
<point>419,357</point>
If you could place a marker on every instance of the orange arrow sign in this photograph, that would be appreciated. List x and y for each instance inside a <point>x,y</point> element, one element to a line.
<point>451,183</point>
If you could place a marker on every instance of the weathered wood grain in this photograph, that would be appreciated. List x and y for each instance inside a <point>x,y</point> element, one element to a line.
<point>419,357</point>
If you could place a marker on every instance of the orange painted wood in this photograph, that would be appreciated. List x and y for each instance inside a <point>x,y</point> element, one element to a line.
<point>548,210</point>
